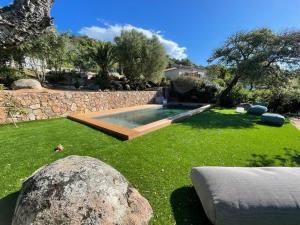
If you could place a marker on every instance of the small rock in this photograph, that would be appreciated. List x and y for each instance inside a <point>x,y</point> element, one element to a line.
<point>59,148</point>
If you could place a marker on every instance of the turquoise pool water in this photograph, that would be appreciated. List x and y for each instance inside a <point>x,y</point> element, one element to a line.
<point>136,118</point>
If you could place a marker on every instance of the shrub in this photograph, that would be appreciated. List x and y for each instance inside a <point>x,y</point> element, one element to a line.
<point>285,101</point>
<point>262,95</point>
<point>183,85</point>
<point>8,75</point>
<point>238,95</point>
<point>194,89</point>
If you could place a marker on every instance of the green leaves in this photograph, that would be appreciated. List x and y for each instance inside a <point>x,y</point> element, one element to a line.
<point>259,56</point>
<point>140,58</point>
<point>104,56</point>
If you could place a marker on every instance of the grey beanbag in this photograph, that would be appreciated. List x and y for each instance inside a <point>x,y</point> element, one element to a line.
<point>249,196</point>
<point>257,110</point>
<point>274,119</point>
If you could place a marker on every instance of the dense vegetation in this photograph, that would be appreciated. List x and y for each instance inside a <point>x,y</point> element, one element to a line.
<point>133,55</point>
<point>259,65</point>
<point>255,66</point>
<point>157,164</point>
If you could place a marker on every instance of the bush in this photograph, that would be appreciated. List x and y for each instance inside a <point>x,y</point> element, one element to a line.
<point>262,95</point>
<point>8,75</point>
<point>285,101</point>
<point>194,89</point>
<point>238,95</point>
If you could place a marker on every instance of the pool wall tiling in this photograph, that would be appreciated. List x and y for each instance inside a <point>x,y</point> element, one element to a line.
<point>131,122</point>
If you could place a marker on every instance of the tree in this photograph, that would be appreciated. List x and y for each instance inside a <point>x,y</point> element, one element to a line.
<point>140,58</point>
<point>22,20</point>
<point>154,60</point>
<point>258,55</point>
<point>49,51</point>
<point>83,47</point>
<point>184,62</point>
<point>104,56</point>
<point>59,52</point>
<point>36,54</point>
<point>218,72</point>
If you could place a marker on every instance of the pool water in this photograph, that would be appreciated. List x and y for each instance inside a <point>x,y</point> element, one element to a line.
<point>136,118</point>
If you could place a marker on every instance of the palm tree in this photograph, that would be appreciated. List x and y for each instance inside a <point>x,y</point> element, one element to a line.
<point>104,56</point>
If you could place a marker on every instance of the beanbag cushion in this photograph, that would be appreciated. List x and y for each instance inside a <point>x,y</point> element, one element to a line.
<point>274,119</point>
<point>257,110</point>
<point>249,196</point>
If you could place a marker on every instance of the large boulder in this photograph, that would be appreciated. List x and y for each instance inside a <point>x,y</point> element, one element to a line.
<point>80,190</point>
<point>26,84</point>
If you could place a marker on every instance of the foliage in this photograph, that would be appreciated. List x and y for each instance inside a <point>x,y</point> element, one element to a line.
<point>13,54</point>
<point>184,62</point>
<point>60,47</point>
<point>218,72</point>
<point>140,58</point>
<point>154,60</point>
<point>38,51</point>
<point>286,100</point>
<point>81,53</point>
<point>261,95</point>
<point>12,107</point>
<point>238,95</point>
<point>185,84</point>
<point>212,138</point>
<point>49,51</point>
<point>194,89</point>
<point>259,56</point>
<point>8,75</point>
<point>104,56</point>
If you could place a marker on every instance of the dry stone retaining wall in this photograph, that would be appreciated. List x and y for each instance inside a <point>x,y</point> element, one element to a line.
<point>46,105</point>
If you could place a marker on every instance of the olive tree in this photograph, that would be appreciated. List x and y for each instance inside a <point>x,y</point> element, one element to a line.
<point>259,55</point>
<point>140,58</point>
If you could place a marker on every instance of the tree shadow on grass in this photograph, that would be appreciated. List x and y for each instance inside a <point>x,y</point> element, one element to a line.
<point>187,208</point>
<point>212,119</point>
<point>290,158</point>
<point>7,207</point>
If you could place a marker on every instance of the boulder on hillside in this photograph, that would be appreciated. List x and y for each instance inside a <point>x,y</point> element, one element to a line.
<point>26,84</point>
<point>80,190</point>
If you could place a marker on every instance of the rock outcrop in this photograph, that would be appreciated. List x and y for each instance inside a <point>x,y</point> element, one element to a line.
<point>22,20</point>
<point>80,190</point>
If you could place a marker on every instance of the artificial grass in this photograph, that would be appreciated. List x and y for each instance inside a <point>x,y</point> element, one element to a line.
<point>157,164</point>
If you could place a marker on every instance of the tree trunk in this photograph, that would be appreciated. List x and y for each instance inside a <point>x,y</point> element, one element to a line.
<point>22,20</point>
<point>232,83</point>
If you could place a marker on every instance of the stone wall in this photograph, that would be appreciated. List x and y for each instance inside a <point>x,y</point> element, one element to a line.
<point>53,104</point>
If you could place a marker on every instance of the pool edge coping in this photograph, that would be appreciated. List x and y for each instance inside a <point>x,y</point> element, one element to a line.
<point>127,133</point>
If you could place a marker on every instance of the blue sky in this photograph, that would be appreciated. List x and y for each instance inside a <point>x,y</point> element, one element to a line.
<point>190,28</point>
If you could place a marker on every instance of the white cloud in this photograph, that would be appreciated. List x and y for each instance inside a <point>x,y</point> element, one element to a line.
<point>109,32</point>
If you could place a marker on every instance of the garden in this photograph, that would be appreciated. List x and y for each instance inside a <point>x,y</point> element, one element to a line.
<point>157,164</point>
<point>253,70</point>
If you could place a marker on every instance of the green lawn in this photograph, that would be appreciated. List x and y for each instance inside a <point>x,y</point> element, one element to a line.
<point>157,164</point>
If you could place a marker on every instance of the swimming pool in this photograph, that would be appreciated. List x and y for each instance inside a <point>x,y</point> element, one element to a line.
<point>140,117</point>
<point>131,122</point>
